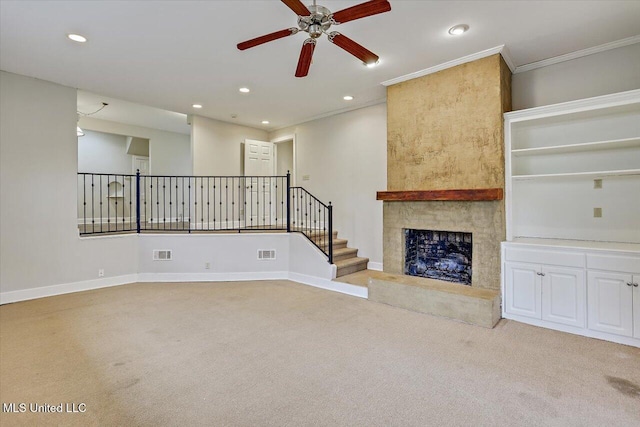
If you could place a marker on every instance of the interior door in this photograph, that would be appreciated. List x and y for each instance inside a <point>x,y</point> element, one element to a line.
<point>259,167</point>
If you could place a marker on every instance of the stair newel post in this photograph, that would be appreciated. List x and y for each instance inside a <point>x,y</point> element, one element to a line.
<point>330,208</point>
<point>138,201</point>
<point>288,202</point>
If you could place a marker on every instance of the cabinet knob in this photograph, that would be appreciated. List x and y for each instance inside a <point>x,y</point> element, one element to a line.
<point>630,284</point>
<point>635,285</point>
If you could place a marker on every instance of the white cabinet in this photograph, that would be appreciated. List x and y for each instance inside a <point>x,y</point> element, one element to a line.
<point>563,296</point>
<point>636,305</point>
<point>586,288</point>
<point>523,290</point>
<point>614,301</point>
<point>572,208</point>
<point>553,294</point>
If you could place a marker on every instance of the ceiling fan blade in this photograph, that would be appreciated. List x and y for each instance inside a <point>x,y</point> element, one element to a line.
<point>297,6</point>
<point>305,57</point>
<point>267,38</point>
<point>360,52</point>
<point>372,7</point>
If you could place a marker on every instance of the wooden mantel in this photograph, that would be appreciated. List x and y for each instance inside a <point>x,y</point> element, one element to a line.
<point>475,195</point>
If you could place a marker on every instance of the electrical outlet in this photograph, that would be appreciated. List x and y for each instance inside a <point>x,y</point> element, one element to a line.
<point>305,177</point>
<point>597,183</point>
<point>597,212</point>
<point>101,272</point>
<point>207,265</point>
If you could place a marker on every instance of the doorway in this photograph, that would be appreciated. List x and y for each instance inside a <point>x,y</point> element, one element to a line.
<point>285,156</point>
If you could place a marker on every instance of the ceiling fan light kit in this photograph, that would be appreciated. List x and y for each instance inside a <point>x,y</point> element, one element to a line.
<point>316,20</point>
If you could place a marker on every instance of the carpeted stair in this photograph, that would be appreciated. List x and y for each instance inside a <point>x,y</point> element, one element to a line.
<point>345,258</point>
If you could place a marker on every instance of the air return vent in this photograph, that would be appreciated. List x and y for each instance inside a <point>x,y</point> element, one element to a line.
<point>266,254</point>
<point>162,254</point>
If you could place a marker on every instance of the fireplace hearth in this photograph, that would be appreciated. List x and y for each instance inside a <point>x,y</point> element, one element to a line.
<point>441,255</point>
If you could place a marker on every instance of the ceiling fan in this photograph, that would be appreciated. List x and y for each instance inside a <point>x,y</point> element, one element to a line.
<point>316,20</point>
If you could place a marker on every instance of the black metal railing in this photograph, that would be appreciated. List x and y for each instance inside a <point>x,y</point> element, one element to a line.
<point>107,203</point>
<point>312,218</point>
<point>118,203</point>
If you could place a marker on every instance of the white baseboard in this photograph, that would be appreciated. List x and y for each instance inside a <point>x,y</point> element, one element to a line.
<point>86,285</point>
<point>67,288</point>
<point>635,342</point>
<point>317,282</point>
<point>377,266</point>
<point>212,277</point>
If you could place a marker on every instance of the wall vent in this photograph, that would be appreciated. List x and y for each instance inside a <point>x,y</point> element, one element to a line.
<point>266,254</point>
<point>162,254</point>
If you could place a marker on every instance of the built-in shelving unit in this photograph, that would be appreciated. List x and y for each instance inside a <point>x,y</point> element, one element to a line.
<point>567,163</point>
<point>571,261</point>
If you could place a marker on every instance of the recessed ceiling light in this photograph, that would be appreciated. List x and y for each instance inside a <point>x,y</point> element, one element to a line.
<point>371,64</point>
<point>197,106</point>
<point>458,29</point>
<point>77,38</point>
<point>244,90</point>
<point>348,98</point>
<point>265,122</point>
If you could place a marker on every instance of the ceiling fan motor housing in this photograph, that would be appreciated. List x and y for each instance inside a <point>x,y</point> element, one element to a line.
<point>317,22</point>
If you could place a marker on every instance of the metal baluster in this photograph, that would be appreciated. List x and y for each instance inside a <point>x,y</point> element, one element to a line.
<point>244,198</point>
<point>330,233</point>
<point>239,204</point>
<point>233,203</point>
<point>84,202</point>
<point>101,219</point>
<point>164,203</point>
<point>288,192</point>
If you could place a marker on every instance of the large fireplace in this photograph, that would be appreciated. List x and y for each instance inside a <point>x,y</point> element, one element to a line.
<point>437,254</point>
<point>482,221</point>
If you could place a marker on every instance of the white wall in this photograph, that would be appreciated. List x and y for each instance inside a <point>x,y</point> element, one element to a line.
<point>38,163</point>
<point>612,71</point>
<point>169,152</point>
<point>227,254</point>
<point>100,152</point>
<point>345,157</point>
<point>216,146</point>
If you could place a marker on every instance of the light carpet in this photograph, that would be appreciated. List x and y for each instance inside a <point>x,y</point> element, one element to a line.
<point>276,353</point>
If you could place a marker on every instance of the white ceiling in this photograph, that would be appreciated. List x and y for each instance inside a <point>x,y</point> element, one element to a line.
<point>172,54</point>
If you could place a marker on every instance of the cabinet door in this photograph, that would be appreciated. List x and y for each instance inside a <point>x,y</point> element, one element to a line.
<point>636,306</point>
<point>610,303</point>
<point>523,289</point>
<point>563,296</point>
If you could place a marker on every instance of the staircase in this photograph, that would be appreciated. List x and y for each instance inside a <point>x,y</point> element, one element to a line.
<point>345,258</point>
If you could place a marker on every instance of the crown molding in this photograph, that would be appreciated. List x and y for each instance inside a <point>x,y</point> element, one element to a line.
<point>331,113</point>
<point>469,58</point>
<point>577,54</point>
<point>596,102</point>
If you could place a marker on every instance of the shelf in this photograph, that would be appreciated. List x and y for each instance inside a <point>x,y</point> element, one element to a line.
<point>575,148</point>
<point>582,108</point>
<point>481,194</point>
<point>594,174</point>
